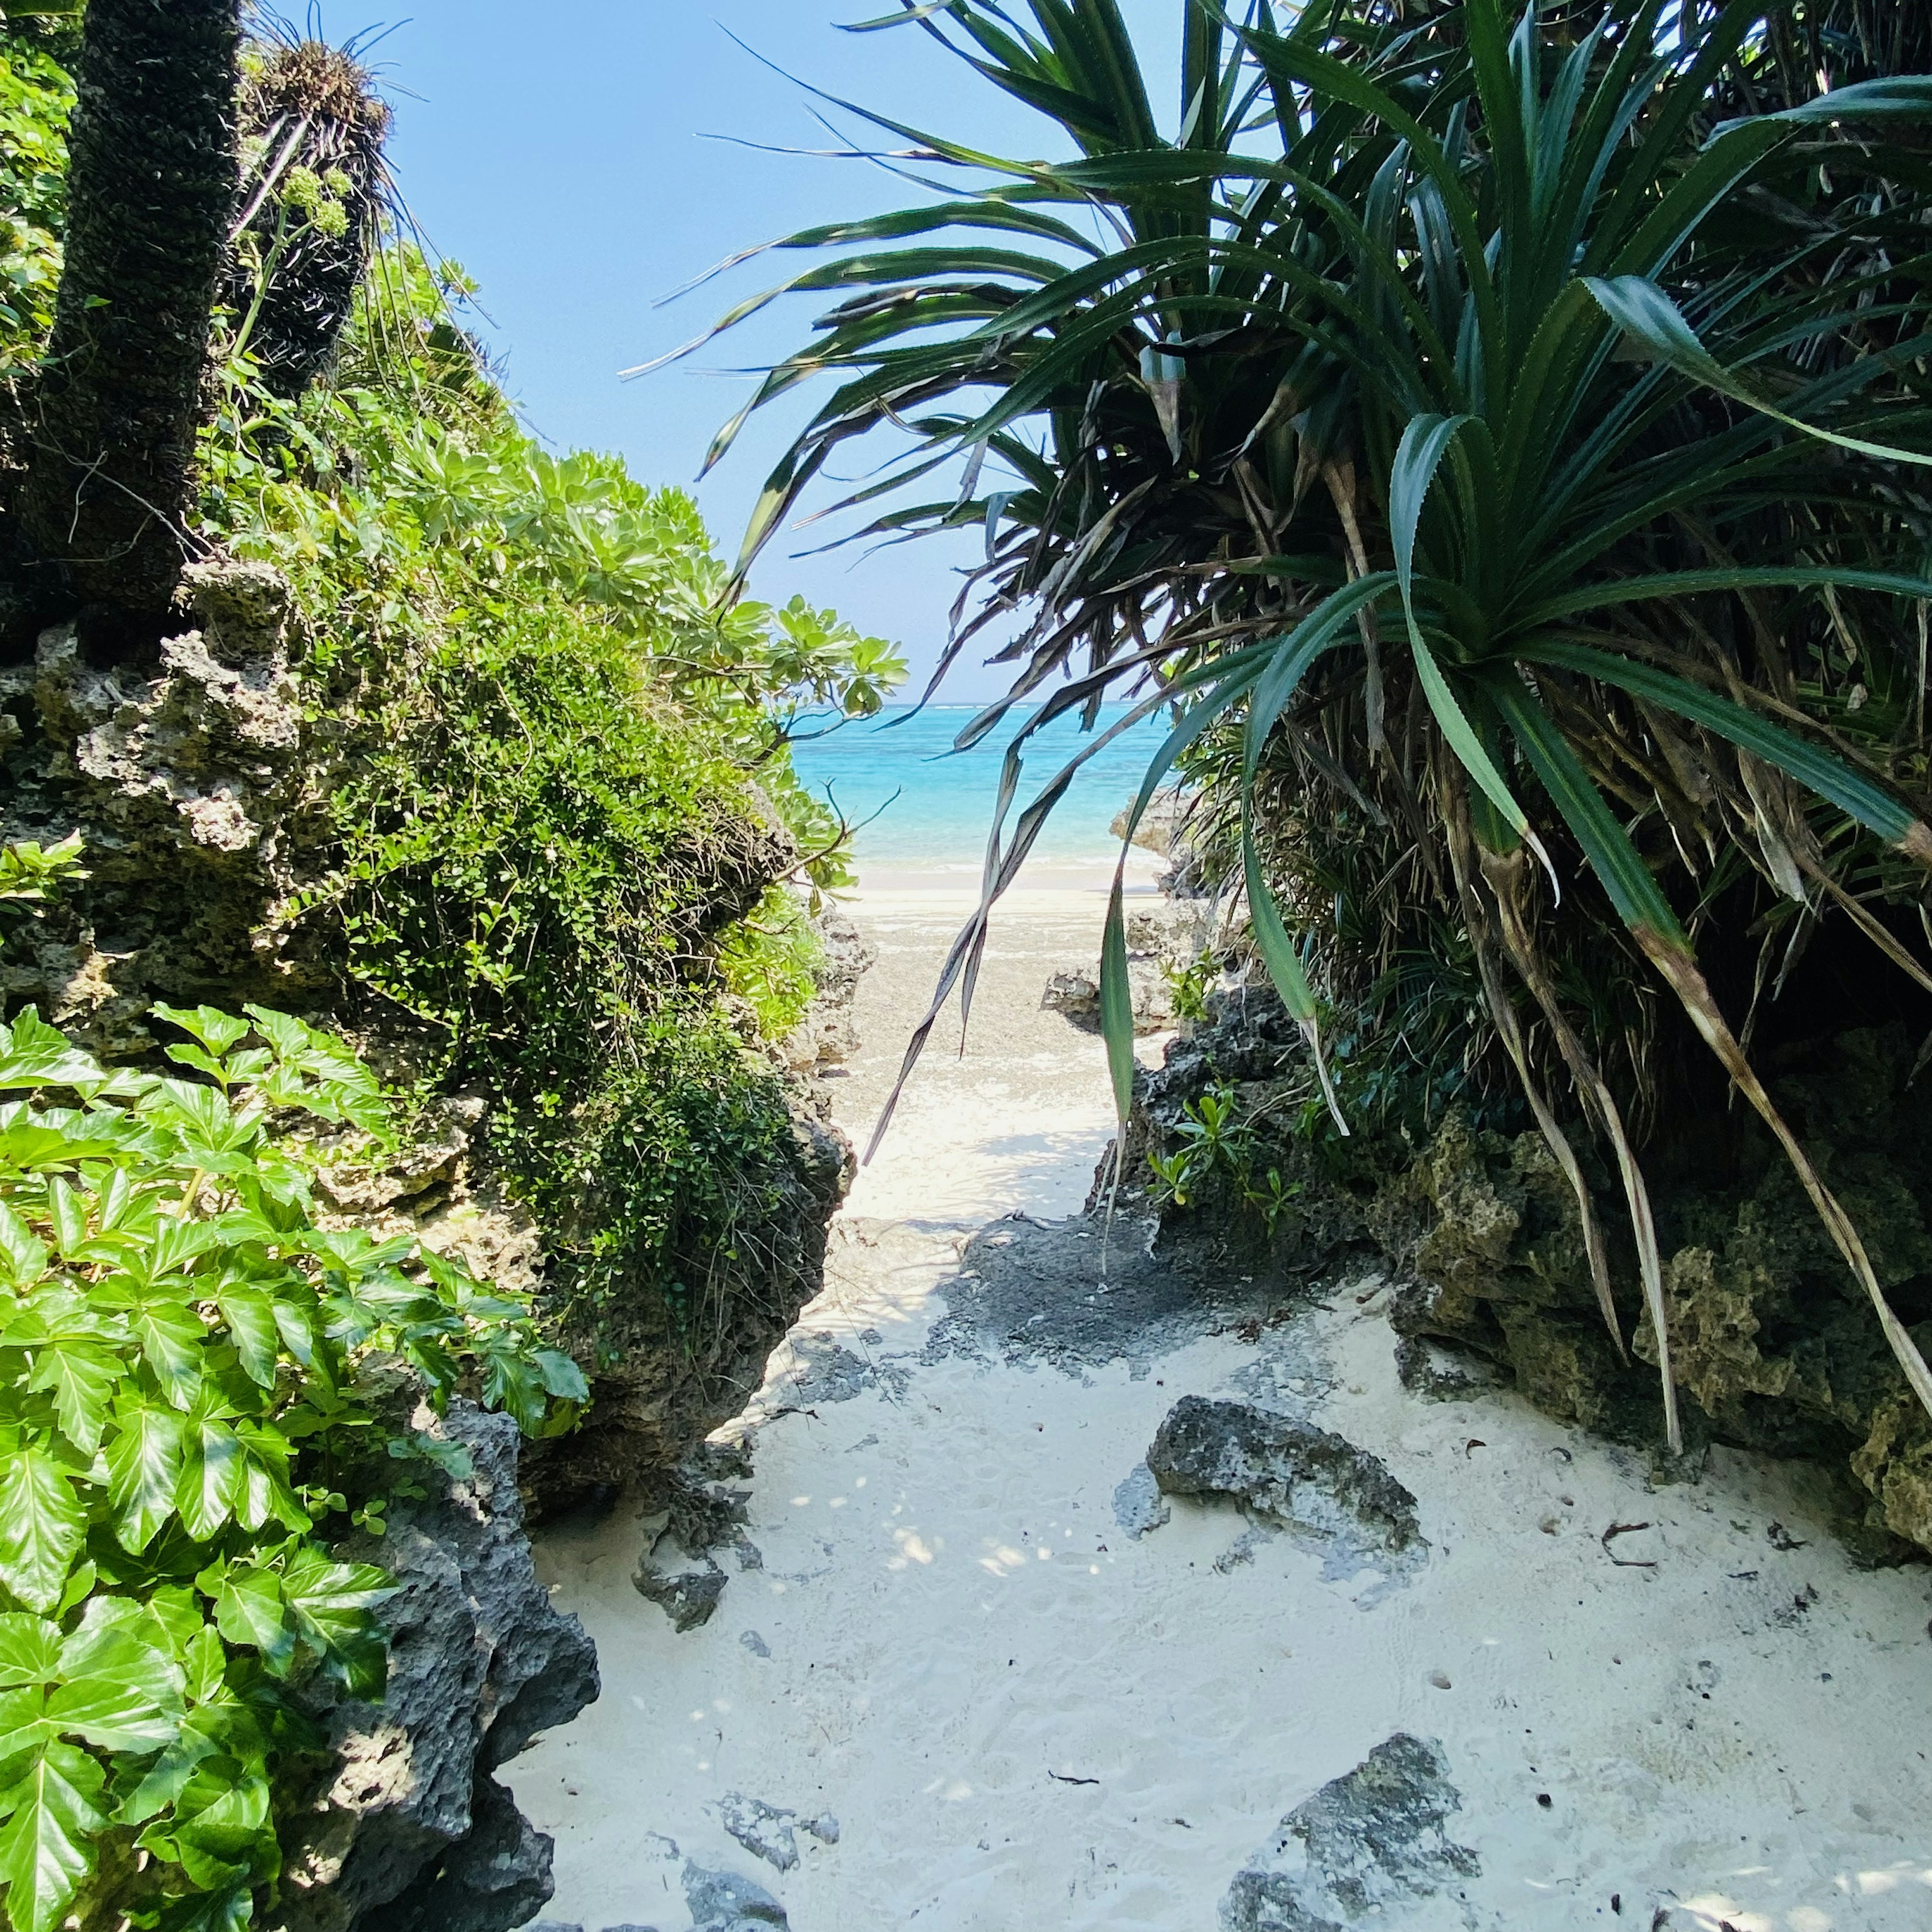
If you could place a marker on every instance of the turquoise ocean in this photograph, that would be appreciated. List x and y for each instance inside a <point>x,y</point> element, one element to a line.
<point>929,807</point>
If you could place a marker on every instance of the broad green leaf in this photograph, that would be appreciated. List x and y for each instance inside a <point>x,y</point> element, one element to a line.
<point>112,1713</point>
<point>41,1523</point>
<point>199,1059</point>
<point>29,1649</point>
<point>79,1585</point>
<point>231,1909</point>
<point>35,1054</point>
<point>44,1845</point>
<point>23,1725</point>
<point>68,1213</point>
<point>210,1485</point>
<point>562,1377</point>
<point>205,1733</point>
<point>262,1495</point>
<point>144,1462</point>
<point>207,1664</point>
<point>332,1601</point>
<point>216,1030</point>
<point>171,1337</point>
<point>82,1376</point>
<point>250,1316</point>
<point>510,1383</point>
<point>250,1609</point>
<point>296,1325</point>
<point>127,1650</point>
<point>22,1253</point>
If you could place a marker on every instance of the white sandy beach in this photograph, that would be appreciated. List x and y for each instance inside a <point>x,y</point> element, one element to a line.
<point>1023,1717</point>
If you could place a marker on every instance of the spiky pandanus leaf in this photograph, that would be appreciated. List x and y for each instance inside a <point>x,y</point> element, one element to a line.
<point>1505,357</point>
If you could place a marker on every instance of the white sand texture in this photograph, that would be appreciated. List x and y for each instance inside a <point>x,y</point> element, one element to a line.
<point>941,1646</point>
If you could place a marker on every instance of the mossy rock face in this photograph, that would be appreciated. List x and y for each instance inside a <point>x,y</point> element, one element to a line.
<point>1483,1229</point>
<point>665,1369</point>
<point>1774,1348</point>
<point>614,1140</point>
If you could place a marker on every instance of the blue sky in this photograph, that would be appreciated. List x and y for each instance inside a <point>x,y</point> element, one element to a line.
<point>560,154</point>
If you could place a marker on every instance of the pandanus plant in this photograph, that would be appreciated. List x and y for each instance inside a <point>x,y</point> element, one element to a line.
<point>1464,400</point>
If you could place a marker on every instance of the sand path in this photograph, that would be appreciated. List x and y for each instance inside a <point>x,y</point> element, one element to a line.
<point>1024,1717</point>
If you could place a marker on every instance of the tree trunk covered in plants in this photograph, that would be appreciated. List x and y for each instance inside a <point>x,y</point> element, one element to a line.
<point>151,192</point>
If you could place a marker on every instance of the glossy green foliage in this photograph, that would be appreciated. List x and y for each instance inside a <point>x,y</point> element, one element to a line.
<point>182,1397</point>
<point>36,96</point>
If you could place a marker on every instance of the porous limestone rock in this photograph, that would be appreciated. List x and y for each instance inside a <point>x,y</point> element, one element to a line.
<point>699,1512</point>
<point>659,1383</point>
<point>181,771</point>
<point>826,1037</point>
<point>765,1831</point>
<point>1075,991</point>
<point>1369,1848</point>
<point>725,1902</point>
<point>407,1830</point>
<point>1773,1346</point>
<point>1290,1472</point>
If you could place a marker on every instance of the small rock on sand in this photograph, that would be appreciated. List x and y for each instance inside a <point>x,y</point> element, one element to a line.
<point>1368,1848</point>
<point>725,1902</point>
<point>1301,1476</point>
<point>687,1595</point>
<point>763,1830</point>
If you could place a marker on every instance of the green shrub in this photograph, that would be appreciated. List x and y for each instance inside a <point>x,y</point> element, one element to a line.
<point>662,1173</point>
<point>36,96</point>
<point>181,1420</point>
<point>564,797</point>
<point>184,1422</point>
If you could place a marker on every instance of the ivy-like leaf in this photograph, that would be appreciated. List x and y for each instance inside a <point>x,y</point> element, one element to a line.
<point>250,1316</point>
<point>250,1610</point>
<point>216,1030</point>
<point>331,1602</point>
<point>41,1524</point>
<point>44,1854</point>
<point>22,1254</point>
<point>170,1337</point>
<point>561,1375</point>
<point>144,1461</point>
<point>82,1376</point>
<point>68,1212</point>
<point>131,1648</point>
<point>210,1478</point>
<point>29,1649</point>
<point>116,1714</point>
<point>35,1054</point>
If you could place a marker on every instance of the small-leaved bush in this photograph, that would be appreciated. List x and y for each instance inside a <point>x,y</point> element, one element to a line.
<point>199,1390</point>
<point>36,96</point>
<point>682,1174</point>
<point>565,809</point>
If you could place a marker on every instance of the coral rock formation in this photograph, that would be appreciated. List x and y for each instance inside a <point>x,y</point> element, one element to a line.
<point>409,1830</point>
<point>1369,1847</point>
